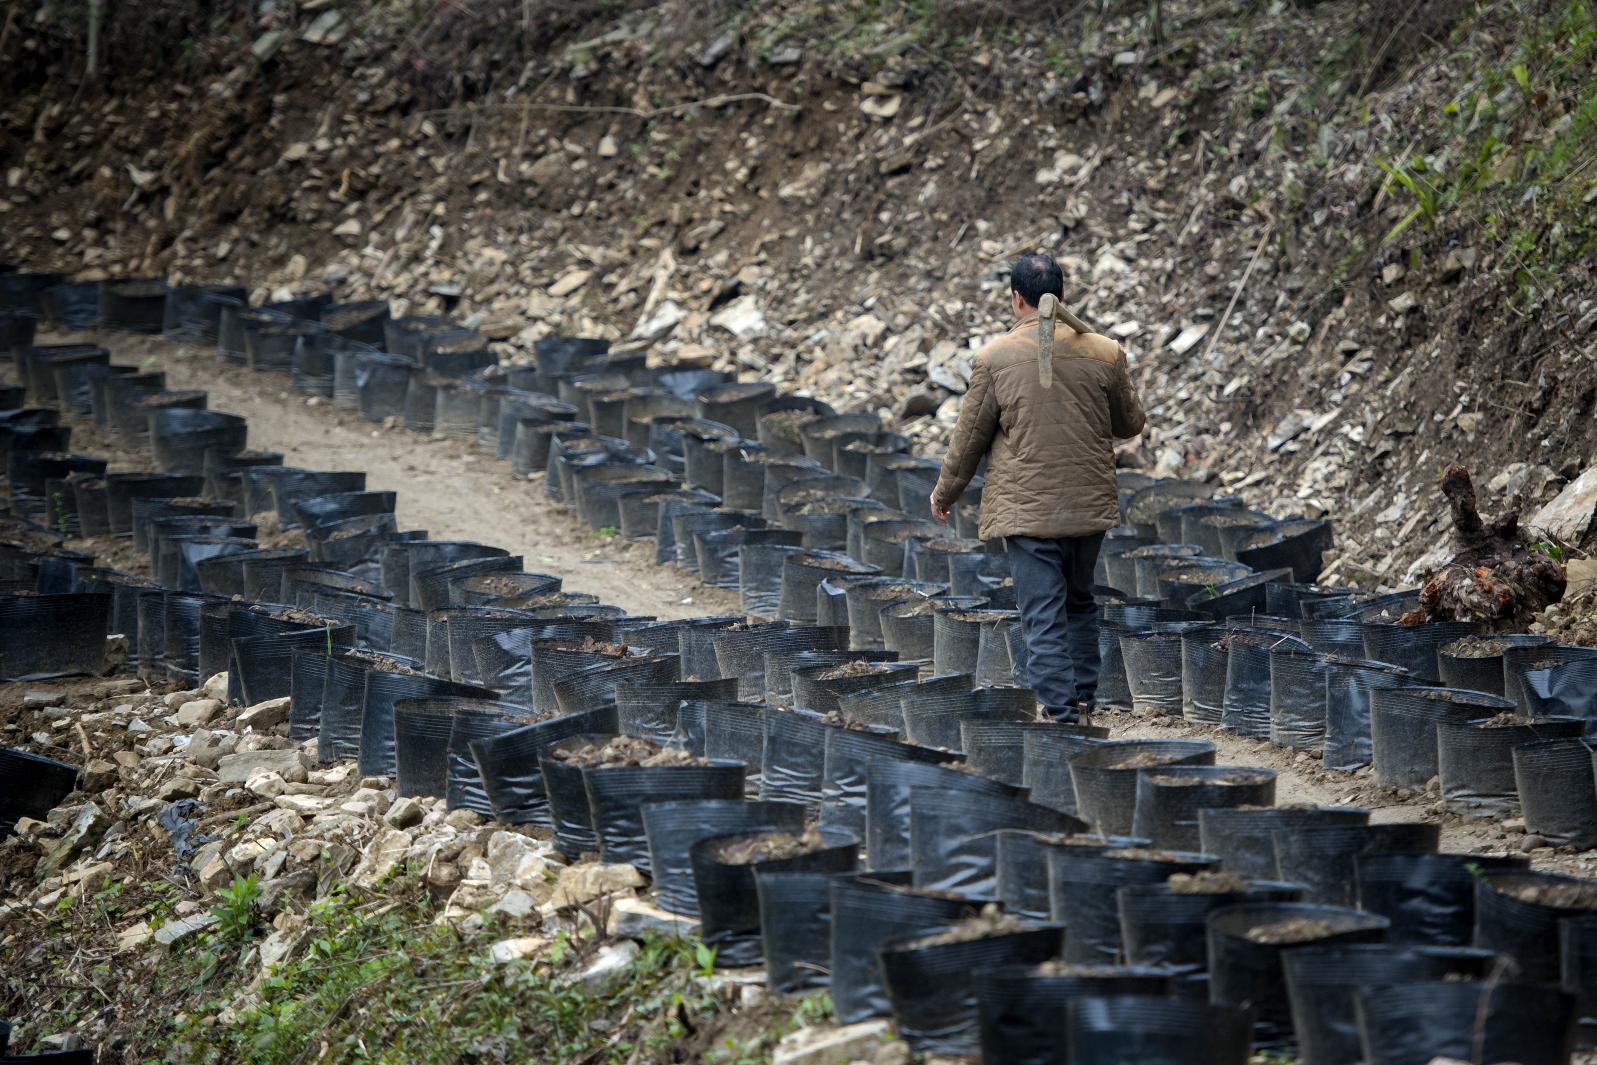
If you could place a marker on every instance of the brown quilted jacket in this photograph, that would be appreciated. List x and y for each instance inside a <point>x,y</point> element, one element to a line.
<point>1050,466</point>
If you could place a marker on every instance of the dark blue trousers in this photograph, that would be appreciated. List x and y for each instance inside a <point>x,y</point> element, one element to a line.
<point>1059,617</point>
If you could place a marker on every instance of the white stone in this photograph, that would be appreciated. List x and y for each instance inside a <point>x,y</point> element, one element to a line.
<point>1188,339</point>
<point>197,712</point>
<point>265,715</point>
<point>516,949</point>
<point>1571,512</point>
<point>742,318</point>
<point>827,1044</point>
<point>237,768</point>
<point>612,960</point>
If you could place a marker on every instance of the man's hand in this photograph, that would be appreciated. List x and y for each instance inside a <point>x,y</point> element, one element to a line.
<point>939,513</point>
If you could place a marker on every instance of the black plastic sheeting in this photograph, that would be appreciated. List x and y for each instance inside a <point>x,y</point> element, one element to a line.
<point>952,836</point>
<point>1429,898</point>
<point>1557,793</point>
<point>1022,1010</point>
<point>1481,1020</point>
<point>728,897</point>
<point>616,795</point>
<point>1082,892</point>
<point>866,914</point>
<point>1244,840</point>
<point>1150,1030</point>
<point>1323,859</point>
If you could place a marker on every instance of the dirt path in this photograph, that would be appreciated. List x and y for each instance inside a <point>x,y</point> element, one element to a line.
<point>445,486</point>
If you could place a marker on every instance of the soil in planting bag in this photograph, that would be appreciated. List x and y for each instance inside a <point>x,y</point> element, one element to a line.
<point>1349,688</point>
<point>997,749</point>
<point>866,914</point>
<point>1429,898</point>
<point>271,345</point>
<point>1082,892</point>
<point>475,719</point>
<point>1403,725</point>
<point>819,438</point>
<point>179,437</point>
<point>35,785</point>
<point>1475,760</point>
<point>724,871</point>
<point>888,793</point>
<point>1244,837</point>
<point>45,636</point>
<point>820,687</point>
<point>672,827</point>
<point>616,795</point>
<point>1476,1020</point>
<point>489,589</point>
<point>1153,1030</point>
<point>1554,682</point>
<point>1475,663</point>
<point>932,984</point>
<point>1415,647</point>
<point>781,420</point>
<point>1022,1009</point>
<point>866,598</point>
<point>1323,859</point>
<point>511,770</point>
<point>1322,984</point>
<point>1105,777</point>
<point>338,732</point>
<point>1517,914</point>
<point>649,710</point>
<point>1045,766</point>
<point>1246,709</point>
<point>354,545</point>
<point>264,665</point>
<point>952,836</point>
<point>1554,779</point>
<point>1022,867</point>
<point>1121,567</point>
<point>383,689</point>
<point>1166,924</point>
<point>934,712</point>
<point>1246,943</point>
<point>434,588</point>
<point>1168,799</point>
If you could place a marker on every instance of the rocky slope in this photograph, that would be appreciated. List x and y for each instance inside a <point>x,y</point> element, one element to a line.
<point>1308,225</point>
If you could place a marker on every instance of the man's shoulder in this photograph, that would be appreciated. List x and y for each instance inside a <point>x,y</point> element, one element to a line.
<point>1097,346</point>
<point>1012,348</point>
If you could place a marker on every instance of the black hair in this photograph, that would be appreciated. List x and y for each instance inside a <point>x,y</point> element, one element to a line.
<point>1033,275</point>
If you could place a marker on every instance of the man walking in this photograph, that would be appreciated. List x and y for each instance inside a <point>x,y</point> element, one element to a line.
<point>1045,404</point>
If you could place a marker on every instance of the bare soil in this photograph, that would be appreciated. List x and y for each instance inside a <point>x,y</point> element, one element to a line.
<point>1558,896</point>
<point>985,925</point>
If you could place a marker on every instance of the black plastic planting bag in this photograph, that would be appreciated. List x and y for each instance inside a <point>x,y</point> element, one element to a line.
<point>865,915</point>
<point>672,827</point>
<point>1022,865</point>
<point>735,731</point>
<point>794,757</point>
<point>1244,839</point>
<point>44,636</point>
<point>1554,779</point>
<point>264,665</point>
<point>1021,1009</point>
<point>1553,681</point>
<point>1517,914</point>
<point>1150,1030</point>
<point>1245,972</point>
<point>796,930</point>
<point>422,728</point>
<point>1429,898</point>
<point>650,710</point>
<point>932,988</point>
<point>1082,891</point>
<point>953,841</point>
<point>1475,761</point>
<point>1416,1023</point>
<point>1106,788</point>
<point>1475,663</point>
<point>383,689</point>
<point>616,795</point>
<point>1323,859</point>
<point>1322,983</point>
<point>729,906</point>
<point>997,749</point>
<point>933,714</point>
<point>849,754</point>
<point>1045,765</point>
<point>1168,928</point>
<point>1403,728</point>
<point>475,719</point>
<point>1170,797</point>
<point>35,785</point>
<point>1415,647</point>
<point>511,766</point>
<point>1349,687</point>
<point>1247,688</point>
<point>887,804</point>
